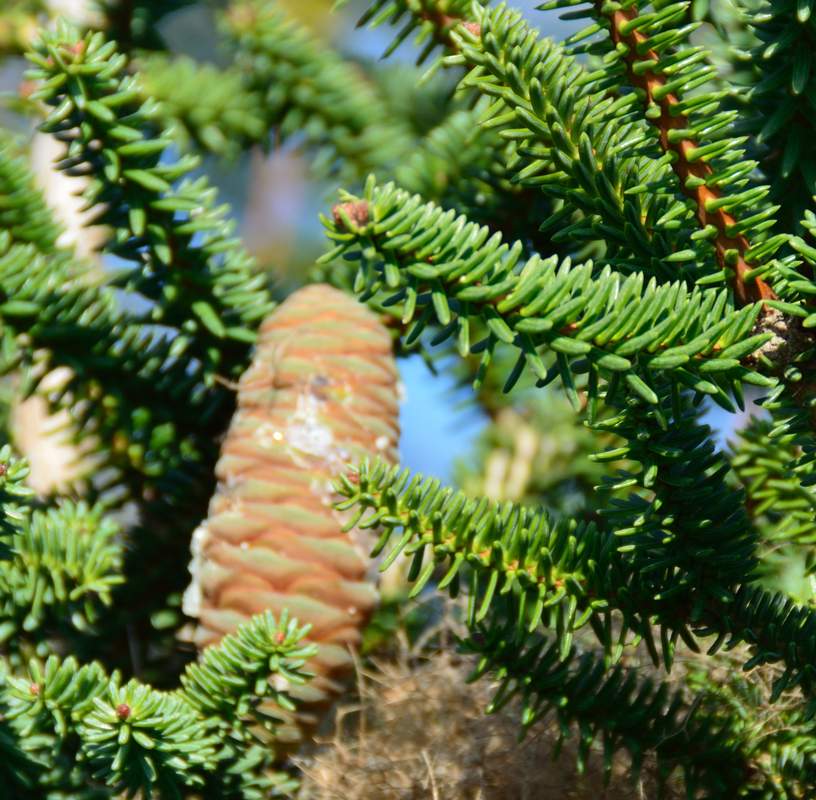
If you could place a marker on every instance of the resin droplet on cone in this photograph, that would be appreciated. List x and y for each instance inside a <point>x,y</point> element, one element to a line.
<point>321,393</point>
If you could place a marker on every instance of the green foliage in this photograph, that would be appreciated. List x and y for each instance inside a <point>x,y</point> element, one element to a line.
<point>564,574</point>
<point>136,374</point>
<point>431,22</point>
<point>779,499</point>
<point>585,146</point>
<point>229,679</point>
<point>14,498</point>
<point>445,270</point>
<point>647,46</point>
<point>306,88</point>
<point>24,217</point>
<point>66,562</point>
<point>615,706</point>
<point>56,314</point>
<point>456,165</point>
<point>631,230</point>
<point>147,379</point>
<point>208,106</point>
<point>133,738</point>
<point>494,548</point>
<point>211,290</point>
<point>778,110</point>
<point>196,277</point>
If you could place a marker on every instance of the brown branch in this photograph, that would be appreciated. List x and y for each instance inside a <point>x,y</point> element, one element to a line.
<point>746,291</point>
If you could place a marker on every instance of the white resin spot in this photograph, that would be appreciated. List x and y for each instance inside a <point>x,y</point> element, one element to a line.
<point>306,433</point>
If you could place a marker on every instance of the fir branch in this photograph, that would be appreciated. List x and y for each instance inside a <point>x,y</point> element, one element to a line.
<point>776,103</point>
<point>660,564</point>
<point>40,705</point>
<point>777,482</point>
<point>66,562</point>
<point>694,520</point>
<point>686,529</point>
<point>307,88</point>
<point>137,739</point>
<point>15,497</point>
<point>683,570</point>
<point>443,269</point>
<point>232,677</point>
<point>203,104</point>
<point>134,738</point>
<point>558,574</point>
<point>196,276</point>
<point>778,630</point>
<point>55,313</point>
<point>617,706</point>
<point>433,21</point>
<point>665,71</point>
<point>208,287</point>
<point>460,164</point>
<point>583,145</point>
<point>127,385</point>
<point>154,399</point>
<point>24,216</point>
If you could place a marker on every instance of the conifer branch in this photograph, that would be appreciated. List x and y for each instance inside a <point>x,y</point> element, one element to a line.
<point>434,21</point>
<point>14,500</point>
<point>53,305</point>
<point>306,87</point>
<point>207,106</point>
<point>696,286</point>
<point>461,164</point>
<point>586,147</point>
<point>148,384</point>
<point>566,575</point>
<point>614,705</point>
<point>194,274</point>
<point>777,476</point>
<point>558,574</point>
<point>212,291</point>
<point>232,678</point>
<point>642,55</point>
<point>776,103</point>
<point>656,564</point>
<point>66,562</point>
<point>134,738</point>
<point>445,270</point>
<point>694,174</point>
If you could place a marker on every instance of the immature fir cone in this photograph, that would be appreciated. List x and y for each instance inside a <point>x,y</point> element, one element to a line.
<point>321,392</point>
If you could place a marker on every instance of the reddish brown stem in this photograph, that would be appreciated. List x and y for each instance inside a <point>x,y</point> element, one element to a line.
<point>745,290</point>
<point>445,23</point>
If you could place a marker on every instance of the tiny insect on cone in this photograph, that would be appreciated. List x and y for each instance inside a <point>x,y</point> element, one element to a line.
<point>321,392</point>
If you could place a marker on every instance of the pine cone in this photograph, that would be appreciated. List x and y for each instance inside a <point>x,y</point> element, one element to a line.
<point>321,392</point>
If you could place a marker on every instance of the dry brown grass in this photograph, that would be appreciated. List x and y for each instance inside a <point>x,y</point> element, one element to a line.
<point>419,731</point>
